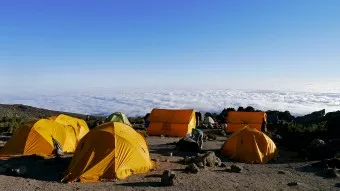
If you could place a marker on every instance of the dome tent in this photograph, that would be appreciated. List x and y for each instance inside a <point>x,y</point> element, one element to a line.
<point>171,122</point>
<point>119,117</point>
<point>80,126</point>
<point>109,151</point>
<point>208,120</point>
<point>249,145</point>
<point>37,139</point>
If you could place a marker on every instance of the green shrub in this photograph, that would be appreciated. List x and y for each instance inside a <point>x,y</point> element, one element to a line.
<point>302,128</point>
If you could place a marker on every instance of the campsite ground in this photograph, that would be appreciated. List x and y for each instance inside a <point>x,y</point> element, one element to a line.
<point>42,174</point>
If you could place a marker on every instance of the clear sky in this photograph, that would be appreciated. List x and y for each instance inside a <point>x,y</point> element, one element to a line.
<point>168,43</point>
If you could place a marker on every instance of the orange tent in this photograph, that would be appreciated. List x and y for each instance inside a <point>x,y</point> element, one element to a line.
<point>176,123</point>
<point>236,120</point>
<point>109,151</point>
<point>250,146</point>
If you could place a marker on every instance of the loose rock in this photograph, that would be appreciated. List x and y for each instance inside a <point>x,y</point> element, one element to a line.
<point>281,172</point>
<point>188,160</point>
<point>293,184</point>
<point>236,168</point>
<point>192,168</point>
<point>207,159</point>
<point>200,165</point>
<point>218,162</point>
<point>168,178</point>
<point>188,145</point>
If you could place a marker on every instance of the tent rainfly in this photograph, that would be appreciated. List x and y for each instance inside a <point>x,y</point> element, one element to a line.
<point>170,122</point>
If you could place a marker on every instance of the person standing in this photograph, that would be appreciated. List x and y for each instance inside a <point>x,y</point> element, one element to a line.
<point>197,136</point>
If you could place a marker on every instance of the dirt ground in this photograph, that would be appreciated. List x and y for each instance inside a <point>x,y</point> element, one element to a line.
<point>43,174</point>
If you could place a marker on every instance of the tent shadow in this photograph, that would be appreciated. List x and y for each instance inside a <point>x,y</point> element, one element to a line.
<point>142,184</point>
<point>314,170</point>
<point>153,176</point>
<point>286,156</point>
<point>37,167</point>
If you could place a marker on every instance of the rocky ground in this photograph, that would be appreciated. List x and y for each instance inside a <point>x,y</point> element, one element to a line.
<point>288,172</point>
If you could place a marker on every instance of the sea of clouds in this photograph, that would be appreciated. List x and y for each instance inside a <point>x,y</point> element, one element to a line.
<point>140,102</point>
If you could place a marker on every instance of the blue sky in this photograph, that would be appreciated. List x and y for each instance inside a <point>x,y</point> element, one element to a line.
<point>250,44</point>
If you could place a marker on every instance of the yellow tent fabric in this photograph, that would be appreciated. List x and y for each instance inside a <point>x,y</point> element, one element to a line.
<point>236,120</point>
<point>177,123</point>
<point>119,117</point>
<point>80,126</point>
<point>109,151</point>
<point>250,146</point>
<point>37,139</point>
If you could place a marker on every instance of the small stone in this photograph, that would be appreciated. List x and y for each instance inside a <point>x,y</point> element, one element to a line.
<point>192,168</point>
<point>168,178</point>
<point>218,162</point>
<point>166,160</point>
<point>200,165</point>
<point>223,165</point>
<point>293,184</point>
<point>188,160</point>
<point>236,168</point>
<point>281,172</point>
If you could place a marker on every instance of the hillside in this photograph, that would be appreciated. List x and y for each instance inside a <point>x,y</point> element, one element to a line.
<point>19,110</point>
<point>13,116</point>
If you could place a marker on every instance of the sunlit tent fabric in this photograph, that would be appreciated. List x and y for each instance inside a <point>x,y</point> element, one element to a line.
<point>119,117</point>
<point>177,123</point>
<point>236,120</point>
<point>109,151</point>
<point>208,120</point>
<point>79,125</point>
<point>249,145</point>
<point>37,139</point>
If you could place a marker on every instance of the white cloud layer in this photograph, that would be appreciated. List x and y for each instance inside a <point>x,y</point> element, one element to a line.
<point>140,102</point>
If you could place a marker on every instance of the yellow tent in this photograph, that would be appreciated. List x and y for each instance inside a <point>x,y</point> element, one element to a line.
<point>37,139</point>
<point>177,123</point>
<point>250,146</point>
<point>236,120</point>
<point>109,151</point>
<point>80,127</point>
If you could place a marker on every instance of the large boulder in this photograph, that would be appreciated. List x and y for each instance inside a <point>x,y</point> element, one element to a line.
<point>187,145</point>
<point>208,159</point>
<point>278,116</point>
<point>333,124</point>
<point>318,149</point>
